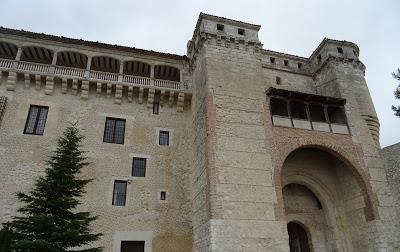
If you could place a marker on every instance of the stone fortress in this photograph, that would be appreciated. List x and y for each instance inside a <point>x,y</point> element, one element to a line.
<point>230,148</point>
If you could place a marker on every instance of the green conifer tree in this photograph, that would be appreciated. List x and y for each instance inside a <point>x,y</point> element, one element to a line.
<point>49,221</point>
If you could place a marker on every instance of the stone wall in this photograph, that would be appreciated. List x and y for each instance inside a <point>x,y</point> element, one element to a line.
<point>166,223</point>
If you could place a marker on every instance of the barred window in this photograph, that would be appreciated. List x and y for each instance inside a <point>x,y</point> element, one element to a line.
<point>156,108</point>
<point>139,167</point>
<point>119,194</point>
<point>114,130</point>
<point>36,120</point>
<point>163,138</point>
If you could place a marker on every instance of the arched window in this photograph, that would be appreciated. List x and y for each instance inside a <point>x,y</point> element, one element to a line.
<point>137,68</point>
<point>105,64</point>
<point>72,59</point>
<point>37,54</point>
<point>8,50</point>
<point>167,73</point>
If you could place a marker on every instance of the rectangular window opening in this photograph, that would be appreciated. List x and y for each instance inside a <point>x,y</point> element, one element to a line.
<point>241,31</point>
<point>36,120</point>
<point>336,115</point>
<point>340,50</point>
<point>220,27</point>
<point>132,246</point>
<point>272,60</point>
<point>114,130</point>
<point>317,113</point>
<point>299,65</point>
<point>279,107</point>
<point>119,193</point>
<point>319,59</point>
<point>298,110</point>
<point>163,138</point>
<point>286,62</point>
<point>139,167</point>
<point>156,108</point>
<point>163,195</point>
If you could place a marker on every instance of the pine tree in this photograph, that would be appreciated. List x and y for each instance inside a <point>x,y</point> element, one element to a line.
<point>397,93</point>
<point>48,221</point>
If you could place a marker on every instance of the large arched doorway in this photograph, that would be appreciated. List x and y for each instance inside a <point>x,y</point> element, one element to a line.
<point>298,238</point>
<point>322,192</point>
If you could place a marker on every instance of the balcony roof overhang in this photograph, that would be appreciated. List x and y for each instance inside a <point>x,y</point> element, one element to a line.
<point>305,97</point>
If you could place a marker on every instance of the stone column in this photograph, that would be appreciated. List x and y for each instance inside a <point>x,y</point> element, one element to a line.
<point>152,75</point>
<point>12,76</point>
<point>88,66</point>
<point>121,71</point>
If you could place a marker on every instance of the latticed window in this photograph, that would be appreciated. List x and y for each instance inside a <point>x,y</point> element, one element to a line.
<point>139,167</point>
<point>36,120</point>
<point>119,194</point>
<point>163,138</point>
<point>114,130</point>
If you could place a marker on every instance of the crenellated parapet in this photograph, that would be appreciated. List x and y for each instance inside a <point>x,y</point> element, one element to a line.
<point>222,32</point>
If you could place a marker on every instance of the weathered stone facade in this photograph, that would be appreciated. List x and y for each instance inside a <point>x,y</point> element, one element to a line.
<point>235,171</point>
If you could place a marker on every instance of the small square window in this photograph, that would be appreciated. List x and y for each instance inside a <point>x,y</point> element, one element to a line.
<point>340,50</point>
<point>286,62</point>
<point>278,80</point>
<point>220,27</point>
<point>241,31</point>
<point>119,193</point>
<point>36,120</point>
<point>114,130</point>
<point>156,108</point>
<point>299,65</point>
<point>163,195</point>
<point>139,167</point>
<point>272,60</point>
<point>163,138</point>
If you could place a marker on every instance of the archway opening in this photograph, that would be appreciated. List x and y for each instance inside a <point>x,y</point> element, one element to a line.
<point>298,238</point>
<point>326,194</point>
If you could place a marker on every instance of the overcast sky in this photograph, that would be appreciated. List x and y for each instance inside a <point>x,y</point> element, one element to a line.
<point>295,27</point>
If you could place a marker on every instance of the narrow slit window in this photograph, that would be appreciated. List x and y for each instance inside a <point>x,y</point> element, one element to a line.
<point>139,167</point>
<point>163,138</point>
<point>156,108</point>
<point>336,115</point>
<point>279,107</point>
<point>272,60</point>
<point>319,59</point>
<point>340,50</point>
<point>286,62</point>
<point>298,110</point>
<point>119,193</point>
<point>241,31</point>
<point>299,65</point>
<point>163,195</point>
<point>114,130</point>
<point>36,120</point>
<point>317,113</point>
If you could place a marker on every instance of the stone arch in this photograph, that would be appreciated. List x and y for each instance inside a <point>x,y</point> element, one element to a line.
<point>306,230</point>
<point>8,50</point>
<point>166,72</point>
<point>70,58</point>
<point>356,167</point>
<point>105,63</point>
<point>37,54</point>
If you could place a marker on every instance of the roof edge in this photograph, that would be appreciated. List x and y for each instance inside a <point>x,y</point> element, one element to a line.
<point>61,39</point>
